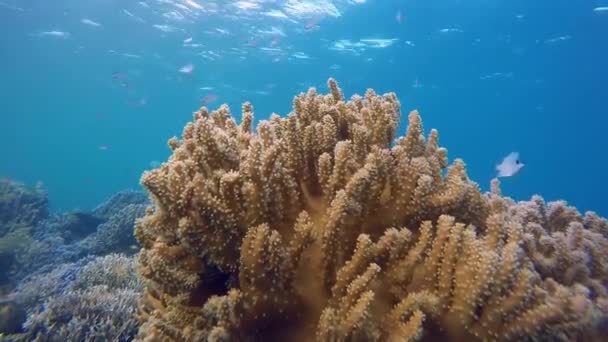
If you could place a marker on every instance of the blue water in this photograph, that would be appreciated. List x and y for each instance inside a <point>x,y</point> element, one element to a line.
<point>502,76</point>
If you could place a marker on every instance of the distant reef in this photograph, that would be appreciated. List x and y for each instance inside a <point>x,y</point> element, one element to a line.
<point>72,262</point>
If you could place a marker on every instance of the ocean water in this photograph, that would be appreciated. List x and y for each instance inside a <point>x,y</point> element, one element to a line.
<point>92,90</point>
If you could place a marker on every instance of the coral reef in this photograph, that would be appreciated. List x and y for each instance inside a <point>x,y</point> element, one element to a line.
<point>563,244</point>
<point>43,259</point>
<point>36,288</point>
<point>115,235</point>
<point>20,205</point>
<point>115,271</point>
<point>12,246</point>
<point>67,237</point>
<point>21,208</point>
<point>11,318</point>
<point>119,201</point>
<point>92,299</point>
<point>94,314</point>
<point>321,226</point>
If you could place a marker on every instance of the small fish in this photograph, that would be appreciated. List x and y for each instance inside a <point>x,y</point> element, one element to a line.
<point>119,75</point>
<point>138,103</point>
<point>185,8</point>
<point>247,5</point>
<point>601,9</point>
<point>194,4</point>
<point>103,147</point>
<point>13,8</point>
<point>311,24</point>
<point>166,28</point>
<point>300,55</point>
<point>90,22</point>
<point>510,165</point>
<point>558,39</point>
<point>188,40</point>
<point>133,16</point>
<point>497,75</point>
<point>311,27</point>
<point>399,17</point>
<point>449,30</point>
<point>209,98</point>
<point>253,42</point>
<point>60,34</point>
<point>186,69</point>
<point>130,55</point>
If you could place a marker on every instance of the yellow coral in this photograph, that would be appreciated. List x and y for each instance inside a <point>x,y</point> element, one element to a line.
<point>320,225</point>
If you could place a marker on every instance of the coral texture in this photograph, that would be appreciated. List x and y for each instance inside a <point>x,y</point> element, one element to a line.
<point>42,259</point>
<point>21,208</point>
<point>69,236</point>
<point>114,235</point>
<point>94,299</point>
<point>321,226</point>
<point>21,205</point>
<point>118,202</point>
<point>94,314</point>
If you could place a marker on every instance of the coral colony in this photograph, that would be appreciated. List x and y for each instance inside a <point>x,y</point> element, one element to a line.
<point>321,226</point>
<point>318,226</point>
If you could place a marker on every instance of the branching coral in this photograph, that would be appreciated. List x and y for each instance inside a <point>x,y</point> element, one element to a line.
<point>320,225</point>
<point>94,314</point>
<point>35,289</point>
<point>118,202</point>
<point>113,270</point>
<point>114,235</point>
<point>566,246</point>
<point>90,300</point>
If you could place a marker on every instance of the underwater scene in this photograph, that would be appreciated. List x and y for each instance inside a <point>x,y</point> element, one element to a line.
<point>303,170</point>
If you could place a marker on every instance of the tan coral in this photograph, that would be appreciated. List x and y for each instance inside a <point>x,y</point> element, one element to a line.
<point>288,233</point>
<point>564,245</point>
